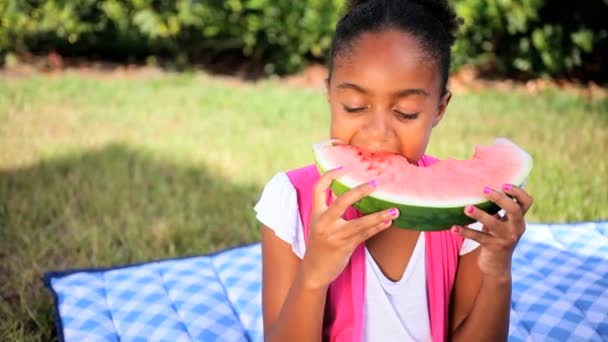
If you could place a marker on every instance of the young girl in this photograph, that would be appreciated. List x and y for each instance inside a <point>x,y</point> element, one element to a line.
<point>386,88</point>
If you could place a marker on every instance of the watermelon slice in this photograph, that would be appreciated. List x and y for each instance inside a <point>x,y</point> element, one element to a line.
<point>429,198</point>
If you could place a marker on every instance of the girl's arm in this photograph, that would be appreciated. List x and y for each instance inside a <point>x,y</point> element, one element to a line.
<point>481,304</point>
<point>292,312</point>
<point>294,291</point>
<point>482,290</point>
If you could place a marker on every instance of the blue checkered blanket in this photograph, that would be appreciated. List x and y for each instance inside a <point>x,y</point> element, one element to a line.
<point>560,293</point>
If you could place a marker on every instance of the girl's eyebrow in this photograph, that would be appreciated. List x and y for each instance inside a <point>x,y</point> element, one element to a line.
<point>346,85</point>
<point>399,93</point>
<point>408,92</point>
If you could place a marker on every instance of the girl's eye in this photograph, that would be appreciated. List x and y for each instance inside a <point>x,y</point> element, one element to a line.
<point>354,109</point>
<point>406,116</point>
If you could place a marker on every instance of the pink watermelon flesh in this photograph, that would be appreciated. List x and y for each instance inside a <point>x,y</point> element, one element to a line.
<point>446,180</point>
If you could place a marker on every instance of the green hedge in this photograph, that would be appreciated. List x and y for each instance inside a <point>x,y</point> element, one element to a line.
<point>529,36</point>
<point>534,37</point>
<point>280,33</point>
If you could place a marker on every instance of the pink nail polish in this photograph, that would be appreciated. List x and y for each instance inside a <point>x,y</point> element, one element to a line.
<point>339,167</point>
<point>470,209</point>
<point>456,229</point>
<point>487,189</point>
<point>387,222</point>
<point>393,212</point>
<point>507,187</point>
<point>373,183</point>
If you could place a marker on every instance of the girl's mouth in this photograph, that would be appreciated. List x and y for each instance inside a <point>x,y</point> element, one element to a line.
<point>376,150</point>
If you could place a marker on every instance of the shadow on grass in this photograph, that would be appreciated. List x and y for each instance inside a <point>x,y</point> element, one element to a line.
<point>107,207</point>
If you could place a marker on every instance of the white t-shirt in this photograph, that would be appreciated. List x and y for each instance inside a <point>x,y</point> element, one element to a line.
<point>393,310</point>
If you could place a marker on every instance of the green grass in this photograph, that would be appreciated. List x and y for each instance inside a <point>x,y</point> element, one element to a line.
<point>99,172</point>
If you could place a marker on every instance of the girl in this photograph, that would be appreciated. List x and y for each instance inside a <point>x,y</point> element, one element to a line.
<point>330,274</point>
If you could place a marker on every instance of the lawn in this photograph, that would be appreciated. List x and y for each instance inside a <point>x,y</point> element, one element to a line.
<point>103,171</point>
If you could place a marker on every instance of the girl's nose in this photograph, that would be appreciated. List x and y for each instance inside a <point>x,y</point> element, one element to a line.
<point>377,126</point>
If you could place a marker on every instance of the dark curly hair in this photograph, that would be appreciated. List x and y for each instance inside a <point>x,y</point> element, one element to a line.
<point>433,22</point>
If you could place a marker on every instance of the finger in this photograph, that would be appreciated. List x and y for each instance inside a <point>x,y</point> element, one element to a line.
<point>472,234</point>
<point>320,188</point>
<point>488,221</point>
<point>358,226</point>
<point>501,215</point>
<point>512,208</point>
<point>523,198</point>
<point>364,234</point>
<point>477,226</point>
<point>339,206</point>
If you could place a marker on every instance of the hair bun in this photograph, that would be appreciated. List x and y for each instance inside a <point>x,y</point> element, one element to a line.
<point>350,4</point>
<point>441,10</point>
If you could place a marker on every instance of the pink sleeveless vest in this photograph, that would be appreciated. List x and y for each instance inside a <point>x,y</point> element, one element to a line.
<point>344,317</point>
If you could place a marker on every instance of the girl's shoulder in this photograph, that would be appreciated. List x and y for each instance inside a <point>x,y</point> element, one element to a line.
<point>278,210</point>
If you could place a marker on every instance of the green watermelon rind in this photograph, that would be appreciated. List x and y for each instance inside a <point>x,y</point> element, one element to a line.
<point>415,217</point>
<point>427,218</point>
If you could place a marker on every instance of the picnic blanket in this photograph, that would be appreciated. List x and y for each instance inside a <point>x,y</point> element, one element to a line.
<point>560,293</point>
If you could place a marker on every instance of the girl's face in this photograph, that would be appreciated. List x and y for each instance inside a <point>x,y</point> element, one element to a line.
<point>384,94</point>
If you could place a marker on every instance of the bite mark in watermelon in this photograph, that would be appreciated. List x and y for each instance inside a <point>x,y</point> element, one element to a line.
<point>428,198</point>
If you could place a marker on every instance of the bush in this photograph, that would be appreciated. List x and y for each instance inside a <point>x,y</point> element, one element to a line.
<point>530,37</point>
<point>533,37</point>
<point>281,33</point>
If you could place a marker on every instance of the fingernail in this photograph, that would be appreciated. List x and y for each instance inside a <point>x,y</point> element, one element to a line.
<point>393,212</point>
<point>470,209</point>
<point>373,183</point>
<point>507,187</point>
<point>456,229</point>
<point>487,189</point>
<point>387,222</point>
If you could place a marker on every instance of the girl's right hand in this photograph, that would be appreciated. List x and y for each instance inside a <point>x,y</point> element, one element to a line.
<point>332,240</point>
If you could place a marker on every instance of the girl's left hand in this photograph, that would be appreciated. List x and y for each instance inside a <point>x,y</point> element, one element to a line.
<point>499,235</point>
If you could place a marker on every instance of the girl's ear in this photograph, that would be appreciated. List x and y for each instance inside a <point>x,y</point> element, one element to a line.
<point>443,105</point>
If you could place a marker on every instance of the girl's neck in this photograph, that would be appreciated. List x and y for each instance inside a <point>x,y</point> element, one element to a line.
<point>392,250</point>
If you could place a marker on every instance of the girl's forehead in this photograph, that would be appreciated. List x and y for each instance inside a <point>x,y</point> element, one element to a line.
<point>386,59</point>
